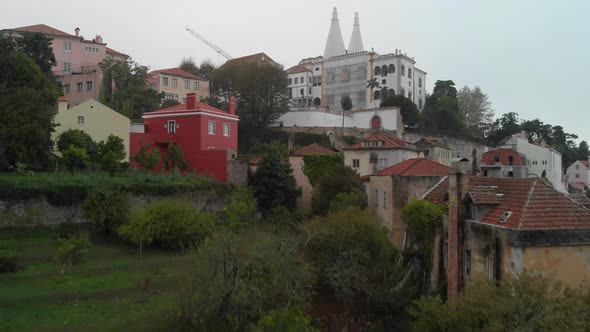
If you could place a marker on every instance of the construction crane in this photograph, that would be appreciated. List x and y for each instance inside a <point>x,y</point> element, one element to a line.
<point>210,44</point>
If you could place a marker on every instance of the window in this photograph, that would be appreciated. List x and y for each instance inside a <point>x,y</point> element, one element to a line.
<point>409,72</point>
<point>302,80</point>
<point>485,172</point>
<point>496,159</point>
<point>383,81</point>
<point>183,100</point>
<point>356,163</point>
<point>544,162</point>
<point>391,69</point>
<point>510,160</point>
<point>165,81</point>
<point>290,81</point>
<point>176,97</point>
<point>384,70</point>
<point>577,166</point>
<point>426,153</point>
<point>467,263</point>
<point>403,70</point>
<point>67,67</point>
<point>309,80</point>
<point>534,162</point>
<point>505,216</point>
<point>376,198</point>
<point>296,80</point>
<point>420,103</point>
<point>67,88</point>
<point>88,85</point>
<point>577,176</point>
<point>174,82</point>
<point>80,119</point>
<point>67,47</point>
<point>211,128</point>
<point>403,92</point>
<point>419,82</point>
<point>169,96</point>
<point>187,84</point>
<point>510,174</point>
<point>377,71</point>
<point>226,129</point>
<point>382,163</point>
<point>302,92</point>
<point>91,49</point>
<point>197,86</point>
<point>171,127</point>
<point>473,213</point>
<point>79,86</point>
<point>409,83</point>
<point>317,68</point>
<point>377,95</point>
<point>384,199</point>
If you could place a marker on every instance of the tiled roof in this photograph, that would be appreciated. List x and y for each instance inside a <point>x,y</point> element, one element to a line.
<point>177,72</point>
<point>487,195</point>
<point>253,58</point>
<point>416,167</point>
<point>585,163</point>
<point>62,98</point>
<point>581,199</point>
<point>488,158</point>
<point>298,69</point>
<point>110,50</point>
<point>313,149</point>
<point>432,142</point>
<point>182,108</point>
<point>389,142</point>
<point>45,29</point>
<point>532,204</point>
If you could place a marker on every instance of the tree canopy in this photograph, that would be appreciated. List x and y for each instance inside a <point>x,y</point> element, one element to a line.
<point>273,183</point>
<point>204,70</point>
<point>441,110</point>
<point>409,111</point>
<point>476,110</point>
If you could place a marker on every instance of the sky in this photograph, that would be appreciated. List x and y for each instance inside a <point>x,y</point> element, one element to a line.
<point>527,55</point>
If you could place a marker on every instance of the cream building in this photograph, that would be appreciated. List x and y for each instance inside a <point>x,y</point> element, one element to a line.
<point>176,83</point>
<point>95,119</point>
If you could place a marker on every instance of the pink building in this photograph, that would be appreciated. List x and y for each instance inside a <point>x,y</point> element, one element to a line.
<point>77,59</point>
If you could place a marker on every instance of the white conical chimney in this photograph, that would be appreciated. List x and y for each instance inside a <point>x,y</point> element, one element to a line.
<point>356,41</point>
<point>335,43</point>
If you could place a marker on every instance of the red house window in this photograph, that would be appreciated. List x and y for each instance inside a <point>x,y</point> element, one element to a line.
<point>211,127</point>
<point>172,127</point>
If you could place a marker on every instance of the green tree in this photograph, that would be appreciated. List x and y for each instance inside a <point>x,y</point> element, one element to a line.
<point>503,127</point>
<point>341,179</point>
<point>146,158</point>
<point>27,106</point>
<point>320,164</point>
<point>241,209</point>
<point>37,46</point>
<point>111,153</point>
<point>107,209</point>
<point>527,303</point>
<point>73,249</point>
<point>441,110</point>
<point>240,277</point>
<point>260,90</point>
<point>205,70</point>
<point>131,96</point>
<point>373,84</point>
<point>169,103</point>
<point>273,183</point>
<point>476,109</point>
<point>75,158</point>
<point>409,110</point>
<point>583,152</point>
<point>174,159</point>
<point>342,201</point>
<point>77,138</point>
<point>292,319</point>
<point>346,104</point>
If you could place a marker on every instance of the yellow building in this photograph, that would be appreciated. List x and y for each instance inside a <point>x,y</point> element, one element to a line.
<point>95,119</point>
<point>176,83</point>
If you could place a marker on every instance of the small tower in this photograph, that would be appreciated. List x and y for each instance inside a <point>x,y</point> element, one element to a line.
<point>335,43</point>
<point>356,40</point>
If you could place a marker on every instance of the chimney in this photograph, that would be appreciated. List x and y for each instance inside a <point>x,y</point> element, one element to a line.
<point>373,159</point>
<point>458,186</point>
<point>98,39</point>
<point>62,104</point>
<point>77,32</point>
<point>291,143</point>
<point>191,101</point>
<point>231,106</point>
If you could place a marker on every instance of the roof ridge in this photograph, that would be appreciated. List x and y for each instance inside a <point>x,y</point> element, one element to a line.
<point>526,204</point>
<point>433,187</point>
<point>411,164</point>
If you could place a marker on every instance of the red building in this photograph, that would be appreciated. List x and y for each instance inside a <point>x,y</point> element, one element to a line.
<point>503,163</point>
<point>207,135</point>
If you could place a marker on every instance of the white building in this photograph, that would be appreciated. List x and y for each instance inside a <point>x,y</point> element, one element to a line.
<point>578,174</point>
<point>540,159</point>
<point>324,80</point>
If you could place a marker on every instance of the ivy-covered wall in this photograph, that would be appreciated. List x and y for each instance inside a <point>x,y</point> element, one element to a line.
<point>320,164</point>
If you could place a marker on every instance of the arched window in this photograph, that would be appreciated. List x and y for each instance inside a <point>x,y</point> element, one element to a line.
<point>376,122</point>
<point>377,71</point>
<point>391,92</point>
<point>384,70</point>
<point>384,93</point>
<point>377,95</point>
<point>391,69</point>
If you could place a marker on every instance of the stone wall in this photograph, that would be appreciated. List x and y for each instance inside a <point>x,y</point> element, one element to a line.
<point>39,211</point>
<point>460,147</point>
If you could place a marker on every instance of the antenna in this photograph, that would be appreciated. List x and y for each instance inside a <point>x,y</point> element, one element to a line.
<point>210,44</point>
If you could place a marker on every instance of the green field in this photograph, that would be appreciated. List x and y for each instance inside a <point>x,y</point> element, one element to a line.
<point>104,293</point>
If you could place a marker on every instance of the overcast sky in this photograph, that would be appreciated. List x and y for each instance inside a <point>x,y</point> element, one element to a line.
<point>528,56</point>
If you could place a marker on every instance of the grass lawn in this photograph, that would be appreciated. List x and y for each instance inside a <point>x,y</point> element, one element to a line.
<point>100,294</point>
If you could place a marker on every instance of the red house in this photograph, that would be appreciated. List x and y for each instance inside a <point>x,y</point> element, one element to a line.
<point>207,135</point>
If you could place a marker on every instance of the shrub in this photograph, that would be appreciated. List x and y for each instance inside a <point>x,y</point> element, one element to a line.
<point>111,153</point>
<point>73,250</point>
<point>147,159</point>
<point>342,179</point>
<point>107,209</point>
<point>8,264</point>
<point>174,158</point>
<point>78,139</point>
<point>273,183</point>
<point>172,224</point>
<point>74,158</point>
<point>318,165</point>
<point>342,201</point>
<point>241,208</point>
<point>291,319</point>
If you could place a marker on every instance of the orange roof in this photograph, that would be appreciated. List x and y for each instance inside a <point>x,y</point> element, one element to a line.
<point>177,72</point>
<point>585,163</point>
<point>182,109</point>
<point>45,29</point>
<point>62,98</point>
<point>298,69</point>
<point>110,50</point>
<point>389,142</point>
<point>313,149</point>
<point>503,154</point>
<point>533,204</point>
<point>253,58</point>
<point>416,167</point>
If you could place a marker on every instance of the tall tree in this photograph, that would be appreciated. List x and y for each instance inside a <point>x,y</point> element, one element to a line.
<point>346,104</point>
<point>260,89</point>
<point>476,109</point>
<point>503,127</point>
<point>273,183</point>
<point>537,131</point>
<point>205,70</point>
<point>583,151</point>
<point>131,96</point>
<point>409,110</point>
<point>441,110</point>
<point>27,105</point>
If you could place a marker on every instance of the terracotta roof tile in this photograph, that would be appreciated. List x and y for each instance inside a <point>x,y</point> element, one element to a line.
<point>110,50</point>
<point>42,28</point>
<point>532,204</point>
<point>182,108</point>
<point>389,142</point>
<point>253,58</point>
<point>488,158</point>
<point>298,69</point>
<point>177,72</point>
<point>417,167</point>
<point>313,149</point>
<point>585,163</point>
<point>432,142</point>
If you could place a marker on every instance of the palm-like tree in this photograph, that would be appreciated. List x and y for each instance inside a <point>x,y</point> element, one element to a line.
<point>373,84</point>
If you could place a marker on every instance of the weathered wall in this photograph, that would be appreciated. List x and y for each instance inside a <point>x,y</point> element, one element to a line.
<point>460,147</point>
<point>237,172</point>
<point>39,211</point>
<point>303,203</point>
